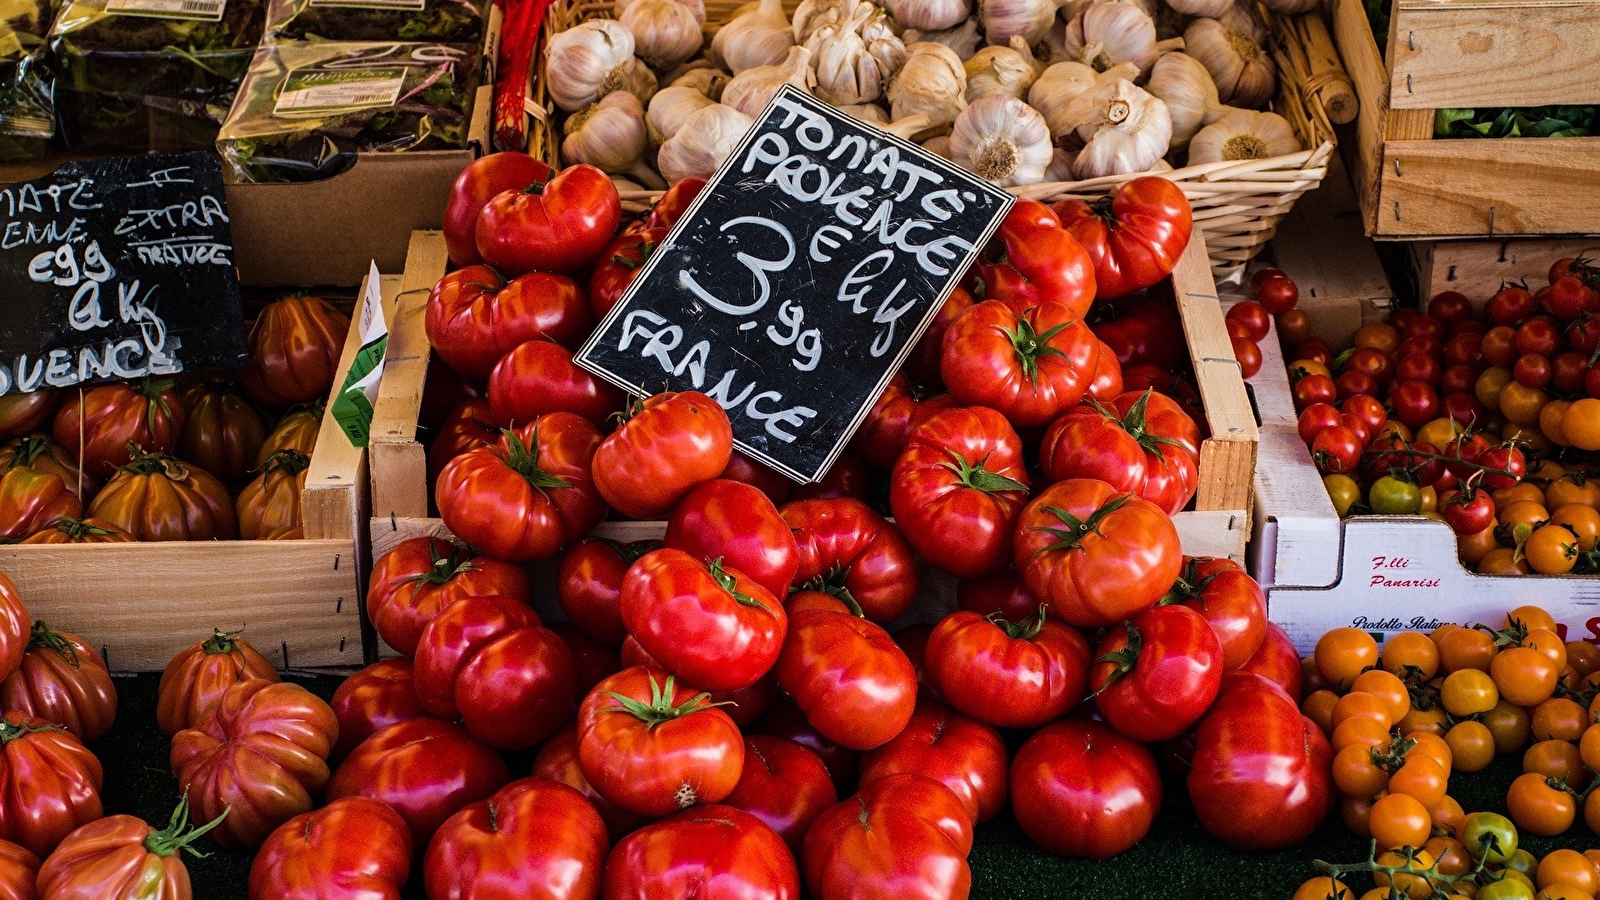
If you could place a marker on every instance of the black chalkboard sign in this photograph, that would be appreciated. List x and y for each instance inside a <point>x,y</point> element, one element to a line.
<point>798,281</point>
<point>117,268</point>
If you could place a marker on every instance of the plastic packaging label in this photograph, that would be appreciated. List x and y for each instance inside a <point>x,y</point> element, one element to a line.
<point>319,93</point>
<point>199,10</point>
<point>353,408</point>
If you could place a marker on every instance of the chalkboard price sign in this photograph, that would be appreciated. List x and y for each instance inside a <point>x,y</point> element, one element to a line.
<point>799,279</point>
<point>117,268</point>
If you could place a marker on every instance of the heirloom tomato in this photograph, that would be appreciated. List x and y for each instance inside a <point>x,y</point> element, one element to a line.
<point>709,853</point>
<point>848,551</point>
<point>1033,260</point>
<point>30,500</point>
<point>786,720</point>
<point>295,345</point>
<point>98,424</point>
<point>1002,592</point>
<point>957,489</point>
<point>533,840</point>
<point>62,680</point>
<point>667,210</point>
<point>1145,331</point>
<point>481,181</point>
<point>1030,366</point>
<point>67,530</point>
<point>22,414</point>
<point>222,432</point>
<point>619,264</point>
<point>1156,675</point>
<point>902,837</point>
<point>475,316</point>
<point>736,523</point>
<point>890,420</point>
<point>589,586</point>
<point>669,444</point>
<point>351,849</point>
<point>13,627</point>
<point>297,430</point>
<point>1135,237</point>
<point>923,363</point>
<point>49,783</point>
<point>559,225</point>
<point>1229,599</point>
<point>743,469</point>
<point>1079,788</point>
<point>470,425</point>
<point>539,377</point>
<point>42,454</point>
<point>963,754</point>
<point>784,785</point>
<point>651,753</point>
<point>424,769</point>
<point>272,499</point>
<point>1007,674</point>
<point>123,858</point>
<point>19,871</point>
<point>557,761</point>
<point>1095,555</point>
<point>530,494</point>
<point>373,699</point>
<point>1140,442</point>
<point>263,752</point>
<point>853,682</point>
<point>421,576</point>
<point>158,498</point>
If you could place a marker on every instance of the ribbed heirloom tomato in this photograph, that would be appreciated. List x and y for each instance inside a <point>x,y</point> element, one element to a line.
<point>559,225</point>
<point>49,783</point>
<point>670,443</point>
<point>194,681</point>
<point>373,699</point>
<point>849,551</point>
<point>902,837</point>
<point>1135,237</point>
<point>1141,442</point>
<point>421,576</point>
<point>295,346</point>
<point>589,586</point>
<point>619,264</point>
<point>736,522</point>
<point>853,682</point>
<point>1007,674</point>
<point>122,858</point>
<point>351,849</point>
<point>1033,260</point>
<point>18,871</point>
<point>710,853</point>
<point>158,498</point>
<point>62,680</point>
<point>532,839</point>
<point>475,316</point>
<point>784,785</point>
<point>1231,602</point>
<point>1029,366</point>
<point>539,377</point>
<point>30,500</point>
<point>1078,788</point>
<point>478,183</point>
<point>222,432</point>
<point>557,761</point>
<point>891,418</point>
<point>959,752</point>
<point>424,769</point>
<point>104,419</point>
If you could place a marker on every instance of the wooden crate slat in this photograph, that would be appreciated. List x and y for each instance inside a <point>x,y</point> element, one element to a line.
<point>396,453</point>
<point>1455,54</point>
<point>1490,188</point>
<point>1478,268</point>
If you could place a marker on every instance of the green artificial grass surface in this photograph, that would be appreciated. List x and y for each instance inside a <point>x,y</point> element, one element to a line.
<point>1176,859</point>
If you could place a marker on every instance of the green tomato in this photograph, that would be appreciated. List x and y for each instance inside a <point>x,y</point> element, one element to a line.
<point>1521,862</point>
<point>1391,496</point>
<point>1489,836</point>
<point>1344,491</point>
<point>1511,886</point>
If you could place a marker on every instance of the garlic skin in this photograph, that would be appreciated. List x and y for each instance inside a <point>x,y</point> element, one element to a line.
<point>670,108</point>
<point>932,83</point>
<point>867,112</point>
<point>938,146</point>
<point>761,37</point>
<point>750,90</point>
<point>1208,8</point>
<point>813,14</point>
<point>1002,71</point>
<point>1111,32</point>
<point>609,135</point>
<point>1003,140</point>
<point>962,39</point>
<point>1128,131</point>
<point>704,142</point>
<point>1004,19</point>
<point>1061,85</point>
<point>1060,168</point>
<point>1243,134</point>
<point>855,57</point>
<point>665,32</point>
<point>929,15</point>
<point>709,81</point>
<point>1242,17</point>
<point>587,62</point>
<point>1244,74</point>
<point>639,80</point>
<point>1181,82</point>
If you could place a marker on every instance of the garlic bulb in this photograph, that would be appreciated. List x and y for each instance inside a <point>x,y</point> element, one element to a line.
<point>1005,71</point>
<point>1243,72</point>
<point>639,80</point>
<point>939,146</point>
<point>1112,32</point>
<point>1191,96</point>
<point>929,15</point>
<point>849,69</point>
<point>758,38</point>
<point>610,135</point>
<point>932,82</point>
<point>1060,168</point>
<point>587,62</point>
<point>665,32</point>
<point>750,90</point>
<point>1243,134</point>
<point>1053,95</point>
<point>1003,19</point>
<point>963,39</point>
<point>1208,8</point>
<point>703,143</point>
<point>813,14</point>
<point>1128,131</point>
<point>670,108</point>
<point>1003,140</point>
<point>867,112</point>
<point>707,80</point>
<point>1242,17</point>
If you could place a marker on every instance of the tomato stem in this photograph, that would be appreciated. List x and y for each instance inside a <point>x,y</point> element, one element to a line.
<point>1123,660</point>
<point>730,584</point>
<point>10,731</point>
<point>221,641</point>
<point>661,708</point>
<point>525,462</point>
<point>978,477</point>
<point>42,636</point>
<point>177,835</point>
<point>1068,538</point>
<point>832,583</point>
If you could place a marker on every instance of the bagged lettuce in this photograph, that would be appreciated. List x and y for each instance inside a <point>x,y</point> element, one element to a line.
<point>443,21</point>
<point>306,109</point>
<point>27,116</point>
<point>151,74</point>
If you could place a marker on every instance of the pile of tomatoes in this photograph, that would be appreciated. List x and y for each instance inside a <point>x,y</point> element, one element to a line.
<point>1274,298</point>
<point>164,459</point>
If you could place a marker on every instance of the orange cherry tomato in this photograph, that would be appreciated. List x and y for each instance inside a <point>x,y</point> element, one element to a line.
<point>1503,561</point>
<point>1433,746</point>
<point>1510,726</point>
<point>1589,747</point>
<point>1342,654</point>
<point>1582,520</point>
<point>1386,686</point>
<point>1467,692</point>
<point>1449,855</point>
<point>1538,808</point>
<point>1523,675</point>
<point>1472,745</point>
<point>1566,866</point>
<point>1556,759</point>
<point>1318,707</point>
<point>1361,730</point>
<point>1422,778</point>
<point>1559,719</point>
<point>1466,648</point>
<point>1412,650</point>
<point>1355,773</point>
<point>1529,617</point>
<point>1551,550</point>
<point>1360,705</point>
<point>1400,820</point>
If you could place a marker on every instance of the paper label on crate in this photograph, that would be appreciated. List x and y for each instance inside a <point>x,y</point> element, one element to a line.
<point>198,10</point>
<point>320,92</point>
<point>353,407</point>
<point>373,4</point>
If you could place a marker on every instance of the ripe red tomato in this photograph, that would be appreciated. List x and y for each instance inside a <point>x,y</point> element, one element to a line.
<point>421,576</point>
<point>1143,443</point>
<point>671,444</point>
<point>619,264</point>
<point>530,494</point>
<point>49,783</point>
<point>847,477</point>
<point>195,680</point>
<point>1537,335</point>
<point>62,680</point>
<point>31,500</point>
<point>1415,404</point>
<point>890,420</point>
<point>1276,660</point>
<point>1315,388</point>
<point>851,679</point>
<point>424,769</point>
<point>1222,592</point>
<point>923,363</point>
<point>1248,355</point>
<point>122,858</point>
<point>1002,592</point>
<point>1078,788</point>
<point>1107,382</point>
<point>744,469</point>
<point>786,720</point>
<point>1278,294</point>
<point>736,523</point>
<point>671,206</point>
<point>560,225</point>
<point>784,785</point>
<point>1570,298</point>
<point>483,179</point>
<point>157,498</point>
<point>1337,449</point>
<point>222,432</point>
<point>1503,465</point>
<point>104,419</point>
<point>557,761</point>
<point>1029,366</point>
<point>263,752</point>
<point>849,551</point>
<point>475,316</point>
<point>295,345</point>
<point>1011,675</point>
<point>1156,675</point>
<point>351,849</point>
<point>538,377</point>
<point>1314,418</point>
<point>591,662</point>
<point>1294,326</point>
<point>470,425</point>
<point>21,414</point>
<point>1365,408</point>
<point>1144,331</point>
<point>1252,318</point>
<point>903,836</point>
<point>1033,260</point>
<point>1095,555</point>
<point>373,699</point>
<point>712,852</point>
<point>1135,237</point>
<point>957,490</point>
<point>590,582</point>
<point>963,754</point>
<point>19,870</point>
<point>1467,511</point>
<point>532,838</point>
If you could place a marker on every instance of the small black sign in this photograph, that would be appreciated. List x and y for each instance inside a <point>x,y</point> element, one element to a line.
<point>117,268</point>
<point>799,279</point>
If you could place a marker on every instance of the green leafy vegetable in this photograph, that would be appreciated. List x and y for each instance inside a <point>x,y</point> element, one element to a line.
<point>27,116</point>
<point>445,21</point>
<point>1541,121</point>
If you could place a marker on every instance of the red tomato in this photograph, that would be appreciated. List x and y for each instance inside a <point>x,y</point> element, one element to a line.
<point>671,206</point>
<point>1033,260</point>
<point>557,761</point>
<point>1135,237</point>
<point>1260,778</point>
<point>62,680</point>
<point>103,420</point>
<point>373,699</point>
<point>1222,592</point>
<point>958,488</point>
<point>475,316</point>
<point>49,783</point>
<point>708,624</point>
<point>1450,307</point>
<point>477,184</point>
<point>786,720</point>
<point>1503,466</point>
<point>470,425</point>
<point>738,524</point>
<point>1337,449</point>
<point>528,496</point>
<point>1030,366</point>
<point>1315,388</point>
<point>1276,660</point>
<point>1107,382</point>
<point>21,414</point>
<point>1253,318</point>
<point>619,264</point>
<point>963,754</point>
<point>890,420</point>
<point>1467,512</point>
<point>560,225</point>
<point>222,432</point>
<point>1078,788</point>
<point>1002,593</point>
<point>295,345</point>
<point>489,662</point>
<point>424,768</point>
<point>1318,416</point>
<point>851,679</point>
<point>589,585</point>
<point>923,363</point>
<point>122,858</point>
<point>263,752</point>
<point>847,477</point>
<point>1145,331</point>
<point>19,869</point>
<point>902,837</point>
<point>671,444</point>
<point>351,849</point>
<point>158,498</point>
<point>195,680</point>
<point>1011,675</point>
<point>1278,294</point>
<point>1096,556</point>
<point>533,838</point>
<point>758,475</point>
<point>40,453</point>
<point>1143,443</point>
<point>421,576</point>
<point>651,753</point>
<point>1156,675</point>
<point>851,552</point>
<point>539,377</point>
<point>784,785</point>
<point>709,853</point>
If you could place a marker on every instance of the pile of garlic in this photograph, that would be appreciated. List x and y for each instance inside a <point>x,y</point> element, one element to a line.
<point>1019,91</point>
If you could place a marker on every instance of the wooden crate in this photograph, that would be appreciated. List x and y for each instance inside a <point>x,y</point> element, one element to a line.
<point>1471,53</point>
<point>1479,268</point>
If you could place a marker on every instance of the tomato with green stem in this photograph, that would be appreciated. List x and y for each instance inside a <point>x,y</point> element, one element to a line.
<point>62,680</point>
<point>123,858</point>
<point>847,550</point>
<point>619,264</point>
<point>557,225</point>
<point>736,522</point>
<point>1135,237</point>
<point>1032,260</point>
<point>1156,675</point>
<point>421,576</point>
<point>1231,602</point>
<point>1008,674</point>
<point>51,783</point>
<point>1141,442</point>
<point>475,316</point>
<point>104,419</point>
<point>1030,366</point>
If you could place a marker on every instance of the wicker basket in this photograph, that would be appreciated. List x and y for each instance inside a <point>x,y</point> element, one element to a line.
<point>1237,204</point>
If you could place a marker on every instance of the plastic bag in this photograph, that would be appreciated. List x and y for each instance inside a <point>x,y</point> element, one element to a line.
<point>443,21</point>
<point>27,116</point>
